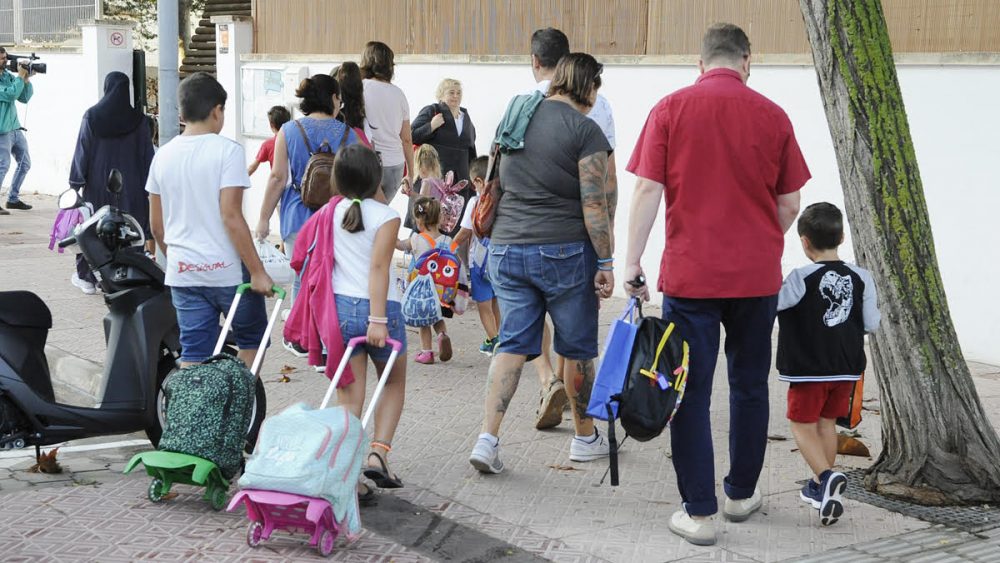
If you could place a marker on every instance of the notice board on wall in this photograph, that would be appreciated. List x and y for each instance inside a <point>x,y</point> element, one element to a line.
<point>264,87</point>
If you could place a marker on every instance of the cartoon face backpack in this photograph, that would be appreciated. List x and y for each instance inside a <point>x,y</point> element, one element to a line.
<point>434,279</point>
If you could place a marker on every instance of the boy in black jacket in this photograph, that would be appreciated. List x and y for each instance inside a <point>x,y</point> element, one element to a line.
<point>824,311</point>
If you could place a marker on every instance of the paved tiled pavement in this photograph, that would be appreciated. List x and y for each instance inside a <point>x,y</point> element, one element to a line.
<point>542,503</point>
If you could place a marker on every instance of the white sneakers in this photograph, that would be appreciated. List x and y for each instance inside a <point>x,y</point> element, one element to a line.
<point>581,450</point>
<point>84,285</point>
<point>740,510</point>
<point>486,454</point>
<point>701,531</point>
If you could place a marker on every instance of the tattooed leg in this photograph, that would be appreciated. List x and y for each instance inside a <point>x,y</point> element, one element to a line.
<point>581,373</point>
<point>505,372</point>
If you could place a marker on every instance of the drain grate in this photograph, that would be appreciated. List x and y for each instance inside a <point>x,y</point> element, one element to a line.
<point>970,519</point>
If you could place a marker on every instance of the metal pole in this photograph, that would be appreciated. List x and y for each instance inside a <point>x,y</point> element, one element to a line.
<point>18,14</point>
<point>98,9</point>
<point>166,11</point>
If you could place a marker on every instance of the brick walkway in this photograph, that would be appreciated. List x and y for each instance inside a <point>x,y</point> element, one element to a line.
<point>542,505</point>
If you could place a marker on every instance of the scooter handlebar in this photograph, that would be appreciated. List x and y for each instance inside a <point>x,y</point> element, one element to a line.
<point>68,241</point>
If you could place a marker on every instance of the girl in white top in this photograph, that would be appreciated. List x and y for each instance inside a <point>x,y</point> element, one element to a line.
<point>367,305</point>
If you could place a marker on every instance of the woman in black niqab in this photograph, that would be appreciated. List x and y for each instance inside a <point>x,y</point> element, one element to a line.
<point>113,135</point>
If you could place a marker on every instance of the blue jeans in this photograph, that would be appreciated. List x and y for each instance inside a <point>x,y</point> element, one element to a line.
<point>297,282</point>
<point>353,313</point>
<point>748,323</point>
<point>533,279</point>
<point>198,310</point>
<point>15,144</point>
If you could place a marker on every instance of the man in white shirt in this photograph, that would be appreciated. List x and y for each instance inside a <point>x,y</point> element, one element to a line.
<point>547,47</point>
<point>195,186</point>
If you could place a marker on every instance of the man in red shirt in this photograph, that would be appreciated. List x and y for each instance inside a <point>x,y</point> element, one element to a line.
<point>276,117</point>
<point>727,163</point>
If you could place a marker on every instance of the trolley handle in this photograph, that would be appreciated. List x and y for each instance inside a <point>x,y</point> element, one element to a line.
<point>243,288</point>
<point>358,340</point>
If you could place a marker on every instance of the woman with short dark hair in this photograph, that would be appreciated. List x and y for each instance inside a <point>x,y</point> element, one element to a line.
<point>551,253</point>
<point>388,114</point>
<point>320,102</point>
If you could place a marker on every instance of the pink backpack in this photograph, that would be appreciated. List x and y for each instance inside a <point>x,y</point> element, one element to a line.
<point>66,220</point>
<point>452,204</point>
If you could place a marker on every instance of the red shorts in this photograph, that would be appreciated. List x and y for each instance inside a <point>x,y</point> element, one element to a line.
<point>812,400</point>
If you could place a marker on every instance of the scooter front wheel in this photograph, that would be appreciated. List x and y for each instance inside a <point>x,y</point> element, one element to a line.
<point>155,492</point>
<point>254,533</point>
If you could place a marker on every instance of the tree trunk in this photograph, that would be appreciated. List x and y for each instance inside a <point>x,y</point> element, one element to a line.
<point>938,445</point>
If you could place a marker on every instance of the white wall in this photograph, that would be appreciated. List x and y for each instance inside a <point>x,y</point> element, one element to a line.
<point>953,114</point>
<point>52,118</point>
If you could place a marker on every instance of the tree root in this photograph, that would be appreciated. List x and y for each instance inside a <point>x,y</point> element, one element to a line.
<point>886,485</point>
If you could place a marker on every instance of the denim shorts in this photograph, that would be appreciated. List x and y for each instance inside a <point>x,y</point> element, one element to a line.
<point>531,280</point>
<point>198,310</point>
<point>353,312</point>
<point>482,289</point>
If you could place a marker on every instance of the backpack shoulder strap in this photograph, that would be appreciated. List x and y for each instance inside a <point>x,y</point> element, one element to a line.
<point>347,131</point>
<point>305,137</point>
<point>429,240</point>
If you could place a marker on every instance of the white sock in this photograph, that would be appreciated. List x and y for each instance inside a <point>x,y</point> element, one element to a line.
<point>490,437</point>
<point>588,439</point>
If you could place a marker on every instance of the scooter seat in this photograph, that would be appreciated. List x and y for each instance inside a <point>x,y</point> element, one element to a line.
<point>24,309</point>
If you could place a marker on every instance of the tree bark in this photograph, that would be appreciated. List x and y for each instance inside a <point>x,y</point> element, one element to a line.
<point>938,445</point>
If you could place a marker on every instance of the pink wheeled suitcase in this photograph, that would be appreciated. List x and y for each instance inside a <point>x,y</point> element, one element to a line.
<point>286,503</point>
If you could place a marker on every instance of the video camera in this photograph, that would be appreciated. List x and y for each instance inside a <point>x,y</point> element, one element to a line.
<point>26,61</point>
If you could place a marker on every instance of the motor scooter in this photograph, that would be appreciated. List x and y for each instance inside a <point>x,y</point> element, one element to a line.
<point>140,331</point>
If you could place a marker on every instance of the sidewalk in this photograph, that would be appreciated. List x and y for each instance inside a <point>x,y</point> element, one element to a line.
<point>543,505</point>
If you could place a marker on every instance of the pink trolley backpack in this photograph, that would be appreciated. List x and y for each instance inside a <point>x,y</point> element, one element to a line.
<point>304,471</point>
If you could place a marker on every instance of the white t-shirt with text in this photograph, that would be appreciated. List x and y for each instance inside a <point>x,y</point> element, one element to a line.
<point>188,174</point>
<point>387,109</point>
<point>353,251</point>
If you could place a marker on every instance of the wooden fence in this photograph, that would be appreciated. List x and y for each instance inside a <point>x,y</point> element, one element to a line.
<point>601,27</point>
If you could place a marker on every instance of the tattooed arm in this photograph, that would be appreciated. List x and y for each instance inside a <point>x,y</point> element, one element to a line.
<point>598,202</point>
<point>611,192</point>
<point>598,216</point>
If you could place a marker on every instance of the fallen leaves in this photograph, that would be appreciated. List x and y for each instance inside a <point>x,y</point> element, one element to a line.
<point>47,463</point>
<point>776,438</point>
<point>563,468</point>
<point>285,370</point>
<point>848,445</point>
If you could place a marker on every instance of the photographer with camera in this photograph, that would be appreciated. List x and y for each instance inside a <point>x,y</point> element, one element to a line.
<point>13,87</point>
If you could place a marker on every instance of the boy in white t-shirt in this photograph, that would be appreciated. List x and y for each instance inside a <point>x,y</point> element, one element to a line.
<point>482,290</point>
<point>195,186</point>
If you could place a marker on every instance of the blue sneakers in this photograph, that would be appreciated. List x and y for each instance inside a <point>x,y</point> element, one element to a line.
<point>489,345</point>
<point>811,494</point>
<point>832,485</point>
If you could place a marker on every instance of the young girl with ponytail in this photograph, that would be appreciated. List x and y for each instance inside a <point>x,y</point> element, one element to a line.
<point>365,232</point>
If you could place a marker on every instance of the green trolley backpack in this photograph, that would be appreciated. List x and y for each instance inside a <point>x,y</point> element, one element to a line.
<point>209,406</point>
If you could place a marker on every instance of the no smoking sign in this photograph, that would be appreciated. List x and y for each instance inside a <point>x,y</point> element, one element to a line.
<point>116,39</point>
